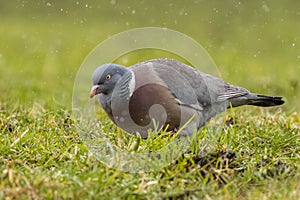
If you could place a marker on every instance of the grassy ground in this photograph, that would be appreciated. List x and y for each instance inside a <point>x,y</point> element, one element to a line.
<point>255,44</point>
<point>43,157</point>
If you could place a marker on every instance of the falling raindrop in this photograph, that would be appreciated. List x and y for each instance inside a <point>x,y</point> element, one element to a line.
<point>182,12</point>
<point>216,10</point>
<point>293,44</point>
<point>266,8</point>
<point>133,12</point>
<point>238,4</point>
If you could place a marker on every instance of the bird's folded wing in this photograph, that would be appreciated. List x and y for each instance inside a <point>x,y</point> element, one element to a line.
<point>230,92</point>
<point>191,87</point>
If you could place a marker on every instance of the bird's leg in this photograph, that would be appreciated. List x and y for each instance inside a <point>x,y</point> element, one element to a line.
<point>173,132</point>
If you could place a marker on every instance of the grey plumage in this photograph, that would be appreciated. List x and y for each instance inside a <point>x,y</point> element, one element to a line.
<point>181,91</point>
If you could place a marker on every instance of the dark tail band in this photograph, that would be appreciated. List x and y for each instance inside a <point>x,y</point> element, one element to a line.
<point>264,101</point>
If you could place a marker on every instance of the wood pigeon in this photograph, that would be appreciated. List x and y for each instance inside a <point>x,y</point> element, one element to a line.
<point>166,93</point>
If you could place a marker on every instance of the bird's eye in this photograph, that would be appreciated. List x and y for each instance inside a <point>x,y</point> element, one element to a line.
<point>108,77</point>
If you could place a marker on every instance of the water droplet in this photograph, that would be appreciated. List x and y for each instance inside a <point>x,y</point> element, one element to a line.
<point>61,9</point>
<point>182,12</point>
<point>266,8</point>
<point>113,2</point>
<point>293,44</point>
<point>77,2</point>
<point>48,4</point>
<point>133,12</point>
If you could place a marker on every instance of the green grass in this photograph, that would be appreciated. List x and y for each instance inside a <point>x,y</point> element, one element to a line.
<point>42,154</point>
<point>257,156</point>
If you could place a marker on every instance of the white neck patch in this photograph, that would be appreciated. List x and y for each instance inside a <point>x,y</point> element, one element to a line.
<point>131,84</point>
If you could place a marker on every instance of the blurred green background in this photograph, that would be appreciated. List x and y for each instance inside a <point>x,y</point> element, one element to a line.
<point>255,44</point>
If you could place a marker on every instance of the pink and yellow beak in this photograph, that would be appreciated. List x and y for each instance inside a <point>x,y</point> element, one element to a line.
<point>94,91</point>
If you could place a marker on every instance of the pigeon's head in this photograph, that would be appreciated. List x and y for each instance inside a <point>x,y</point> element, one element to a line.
<point>105,78</point>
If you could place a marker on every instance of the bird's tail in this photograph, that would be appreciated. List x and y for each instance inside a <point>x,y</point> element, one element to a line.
<point>255,100</point>
<point>263,100</point>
